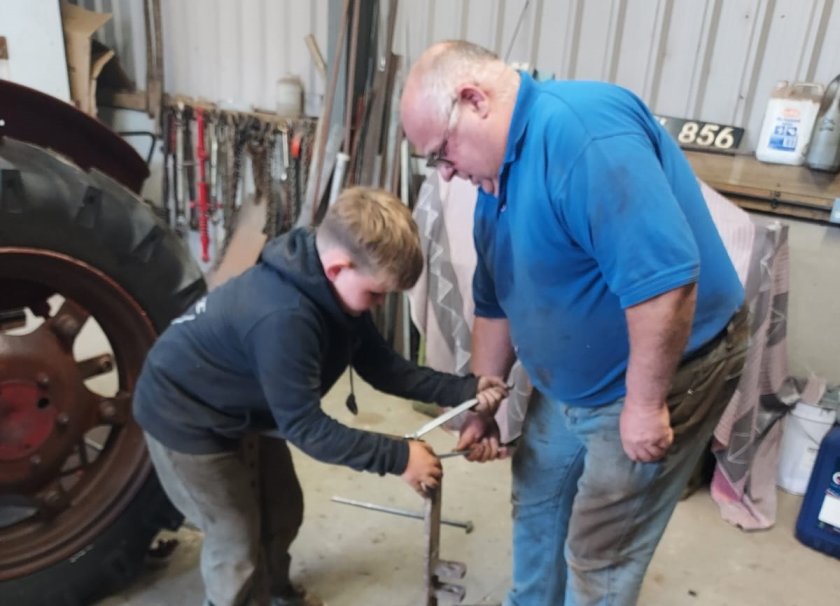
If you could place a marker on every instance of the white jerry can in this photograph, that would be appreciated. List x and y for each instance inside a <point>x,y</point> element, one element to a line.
<point>789,122</point>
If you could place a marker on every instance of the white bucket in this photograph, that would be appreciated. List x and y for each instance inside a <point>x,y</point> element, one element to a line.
<point>802,431</point>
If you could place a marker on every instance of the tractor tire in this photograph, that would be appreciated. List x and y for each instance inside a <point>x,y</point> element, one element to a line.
<point>79,501</point>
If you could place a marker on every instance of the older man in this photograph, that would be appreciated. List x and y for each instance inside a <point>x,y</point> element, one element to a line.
<point>599,265</point>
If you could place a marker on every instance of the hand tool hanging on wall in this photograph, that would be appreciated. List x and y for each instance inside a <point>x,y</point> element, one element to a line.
<point>235,139</point>
<point>287,181</point>
<point>213,193</point>
<point>235,153</point>
<point>180,195</point>
<point>228,173</point>
<point>203,202</point>
<point>278,178</point>
<point>257,145</point>
<point>300,149</point>
<point>189,166</point>
<point>167,119</point>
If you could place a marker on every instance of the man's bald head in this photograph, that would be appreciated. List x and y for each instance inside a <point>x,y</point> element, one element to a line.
<point>434,78</point>
<point>456,108</point>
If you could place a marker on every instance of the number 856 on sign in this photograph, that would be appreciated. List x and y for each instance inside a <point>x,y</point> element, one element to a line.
<point>702,135</point>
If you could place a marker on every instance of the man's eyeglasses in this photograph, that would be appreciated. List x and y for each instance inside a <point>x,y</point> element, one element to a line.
<point>437,157</point>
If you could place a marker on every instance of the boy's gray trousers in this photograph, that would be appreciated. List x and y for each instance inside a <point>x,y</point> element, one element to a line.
<point>249,505</point>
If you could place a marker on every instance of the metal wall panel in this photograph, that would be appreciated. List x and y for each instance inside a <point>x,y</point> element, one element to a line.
<point>227,51</point>
<point>712,60</point>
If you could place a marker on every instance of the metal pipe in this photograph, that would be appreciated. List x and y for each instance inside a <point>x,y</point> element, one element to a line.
<point>453,453</point>
<point>467,526</point>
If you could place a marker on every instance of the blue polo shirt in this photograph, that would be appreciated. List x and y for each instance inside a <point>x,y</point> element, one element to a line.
<point>597,210</point>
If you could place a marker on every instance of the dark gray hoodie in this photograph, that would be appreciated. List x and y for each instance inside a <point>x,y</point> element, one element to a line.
<point>260,351</point>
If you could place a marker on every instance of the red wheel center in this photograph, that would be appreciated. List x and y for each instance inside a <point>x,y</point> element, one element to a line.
<point>27,419</point>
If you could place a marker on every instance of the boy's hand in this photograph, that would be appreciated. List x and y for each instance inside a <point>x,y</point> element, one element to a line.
<point>424,469</point>
<point>490,393</point>
<point>480,434</point>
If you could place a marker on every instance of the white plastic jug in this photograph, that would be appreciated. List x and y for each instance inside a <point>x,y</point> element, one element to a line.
<point>788,122</point>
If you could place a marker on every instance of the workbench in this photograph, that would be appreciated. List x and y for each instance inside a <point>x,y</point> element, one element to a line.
<point>779,189</point>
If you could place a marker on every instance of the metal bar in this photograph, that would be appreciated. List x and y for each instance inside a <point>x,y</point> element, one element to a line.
<point>435,568</point>
<point>454,453</point>
<point>467,526</point>
<point>324,122</point>
<point>432,522</point>
<point>317,57</point>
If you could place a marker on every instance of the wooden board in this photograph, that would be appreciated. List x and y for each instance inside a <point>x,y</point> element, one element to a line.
<point>779,189</point>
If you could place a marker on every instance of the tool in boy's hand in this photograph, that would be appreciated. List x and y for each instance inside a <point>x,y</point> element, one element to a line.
<point>466,451</point>
<point>454,453</point>
<point>443,418</point>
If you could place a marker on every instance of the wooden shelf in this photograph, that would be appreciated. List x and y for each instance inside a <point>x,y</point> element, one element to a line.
<point>779,189</point>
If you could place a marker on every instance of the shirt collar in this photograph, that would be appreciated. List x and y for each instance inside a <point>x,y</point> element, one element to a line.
<point>519,119</point>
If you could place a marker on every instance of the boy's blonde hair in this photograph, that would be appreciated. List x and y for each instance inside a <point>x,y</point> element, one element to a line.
<point>377,231</point>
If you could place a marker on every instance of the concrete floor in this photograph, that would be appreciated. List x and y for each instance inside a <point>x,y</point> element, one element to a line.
<point>354,557</point>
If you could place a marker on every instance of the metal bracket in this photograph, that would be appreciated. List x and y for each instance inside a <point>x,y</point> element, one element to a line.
<point>436,568</point>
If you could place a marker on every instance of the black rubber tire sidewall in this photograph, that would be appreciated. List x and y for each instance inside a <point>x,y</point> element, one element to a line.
<point>47,202</point>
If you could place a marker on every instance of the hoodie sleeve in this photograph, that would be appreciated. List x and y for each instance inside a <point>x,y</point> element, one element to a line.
<point>286,349</point>
<point>387,371</point>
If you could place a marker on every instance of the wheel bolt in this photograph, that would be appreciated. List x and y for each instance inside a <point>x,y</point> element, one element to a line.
<point>43,380</point>
<point>35,460</point>
<point>62,420</point>
<point>66,327</point>
<point>107,409</point>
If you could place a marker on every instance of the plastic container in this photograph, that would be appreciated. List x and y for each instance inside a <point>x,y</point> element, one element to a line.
<point>824,149</point>
<point>818,524</point>
<point>289,94</point>
<point>803,430</point>
<point>789,122</point>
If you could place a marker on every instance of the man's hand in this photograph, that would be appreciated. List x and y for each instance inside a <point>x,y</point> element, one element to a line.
<point>658,329</point>
<point>424,469</point>
<point>480,434</point>
<point>646,433</point>
<point>490,393</point>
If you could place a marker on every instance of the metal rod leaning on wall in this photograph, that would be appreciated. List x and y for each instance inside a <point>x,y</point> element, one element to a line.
<point>313,201</point>
<point>317,57</point>
<point>342,159</point>
<point>373,136</point>
<point>349,97</point>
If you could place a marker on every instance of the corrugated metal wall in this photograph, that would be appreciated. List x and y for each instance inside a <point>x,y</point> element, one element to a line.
<point>711,60</point>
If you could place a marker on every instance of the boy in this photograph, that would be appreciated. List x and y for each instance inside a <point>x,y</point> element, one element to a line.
<point>256,355</point>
